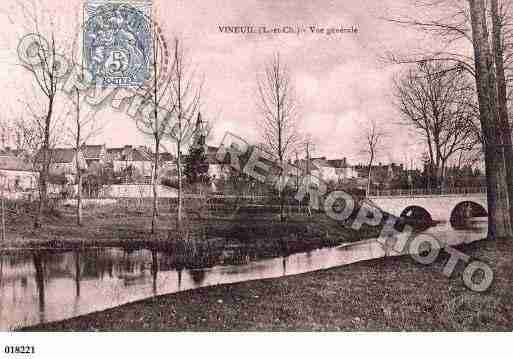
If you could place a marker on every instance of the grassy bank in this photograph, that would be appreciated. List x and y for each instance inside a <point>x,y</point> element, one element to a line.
<point>384,294</point>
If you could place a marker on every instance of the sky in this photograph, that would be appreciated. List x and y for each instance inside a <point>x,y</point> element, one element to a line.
<point>340,81</point>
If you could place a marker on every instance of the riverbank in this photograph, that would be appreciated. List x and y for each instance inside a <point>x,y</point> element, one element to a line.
<point>209,241</point>
<point>383,294</point>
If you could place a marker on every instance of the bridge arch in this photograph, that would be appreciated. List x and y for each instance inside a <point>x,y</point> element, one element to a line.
<point>465,210</point>
<point>417,214</point>
<point>439,207</point>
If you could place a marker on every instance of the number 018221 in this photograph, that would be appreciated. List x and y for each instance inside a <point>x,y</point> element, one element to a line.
<point>19,349</point>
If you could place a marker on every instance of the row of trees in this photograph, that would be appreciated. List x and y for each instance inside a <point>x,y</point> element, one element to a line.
<point>176,88</point>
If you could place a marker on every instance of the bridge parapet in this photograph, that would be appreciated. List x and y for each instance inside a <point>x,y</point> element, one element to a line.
<point>423,192</point>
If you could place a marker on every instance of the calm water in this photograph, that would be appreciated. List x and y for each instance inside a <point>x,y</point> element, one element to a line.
<point>37,286</point>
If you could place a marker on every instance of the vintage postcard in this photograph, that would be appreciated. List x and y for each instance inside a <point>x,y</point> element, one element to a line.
<point>268,166</point>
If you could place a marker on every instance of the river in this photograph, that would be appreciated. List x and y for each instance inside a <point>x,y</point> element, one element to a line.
<point>39,286</point>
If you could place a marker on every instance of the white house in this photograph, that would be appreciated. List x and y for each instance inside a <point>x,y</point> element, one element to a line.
<point>16,174</point>
<point>334,170</point>
<point>328,170</point>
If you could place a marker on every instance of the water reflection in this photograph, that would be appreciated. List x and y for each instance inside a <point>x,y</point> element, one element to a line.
<point>77,273</point>
<point>154,270</point>
<point>44,286</point>
<point>40,281</point>
<point>179,273</point>
<point>198,276</point>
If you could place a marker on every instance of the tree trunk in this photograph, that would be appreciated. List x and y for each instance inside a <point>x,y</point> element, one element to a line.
<point>282,197</point>
<point>369,176</point>
<point>179,171</point>
<point>40,280</point>
<point>3,212</point>
<point>155,184</point>
<point>505,129</point>
<point>77,163</point>
<point>45,168</point>
<point>156,135</point>
<point>79,197</point>
<point>442,171</point>
<point>499,224</point>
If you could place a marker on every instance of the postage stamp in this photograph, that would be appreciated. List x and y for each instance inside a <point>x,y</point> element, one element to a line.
<point>117,42</point>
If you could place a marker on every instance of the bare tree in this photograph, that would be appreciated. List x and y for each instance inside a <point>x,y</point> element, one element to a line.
<point>82,128</point>
<point>25,131</point>
<point>41,55</point>
<point>431,99</point>
<point>21,133</point>
<point>30,131</point>
<point>158,98</point>
<point>465,23</point>
<point>186,87</point>
<point>277,104</point>
<point>159,128</point>
<point>498,46</point>
<point>371,138</point>
<point>450,22</point>
<point>499,224</point>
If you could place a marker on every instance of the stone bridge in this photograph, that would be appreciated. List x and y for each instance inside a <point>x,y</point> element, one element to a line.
<point>441,207</point>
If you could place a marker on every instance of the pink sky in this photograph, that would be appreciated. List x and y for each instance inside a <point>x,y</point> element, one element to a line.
<point>339,79</point>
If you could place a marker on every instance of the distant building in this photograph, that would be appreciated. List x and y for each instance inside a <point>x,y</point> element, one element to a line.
<point>139,158</point>
<point>217,169</point>
<point>343,170</point>
<point>95,154</point>
<point>382,174</point>
<point>168,170</point>
<point>167,159</point>
<point>308,167</point>
<point>337,170</point>
<point>16,174</point>
<point>66,161</point>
